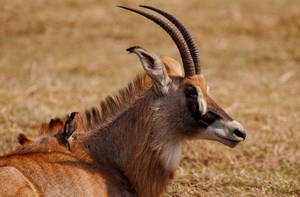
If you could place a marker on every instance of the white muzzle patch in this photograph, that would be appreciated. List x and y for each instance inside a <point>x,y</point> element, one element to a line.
<point>224,132</point>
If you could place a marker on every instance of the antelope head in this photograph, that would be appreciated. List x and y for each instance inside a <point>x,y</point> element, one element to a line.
<point>184,102</point>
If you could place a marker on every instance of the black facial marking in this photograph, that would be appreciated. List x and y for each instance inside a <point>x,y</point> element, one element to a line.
<point>205,120</point>
<point>191,95</point>
<point>210,117</point>
<point>190,92</point>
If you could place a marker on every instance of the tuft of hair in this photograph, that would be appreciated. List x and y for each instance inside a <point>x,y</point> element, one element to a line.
<point>55,125</point>
<point>112,106</point>
<point>24,139</point>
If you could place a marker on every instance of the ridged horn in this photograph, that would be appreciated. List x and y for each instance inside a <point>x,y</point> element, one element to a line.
<point>186,57</point>
<point>185,33</point>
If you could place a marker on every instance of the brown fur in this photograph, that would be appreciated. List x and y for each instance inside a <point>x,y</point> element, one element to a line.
<point>130,146</point>
<point>49,144</point>
<point>24,139</point>
<point>197,80</point>
<point>112,106</point>
<point>47,152</point>
<point>172,66</point>
<point>47,169</point>
<point>109,108</point>
<point>138,158</point>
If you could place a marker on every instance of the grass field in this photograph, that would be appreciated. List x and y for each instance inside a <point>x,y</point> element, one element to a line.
<point>62,56</point>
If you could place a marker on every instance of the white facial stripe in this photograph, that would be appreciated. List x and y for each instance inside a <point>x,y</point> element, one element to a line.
<point>201,101</point>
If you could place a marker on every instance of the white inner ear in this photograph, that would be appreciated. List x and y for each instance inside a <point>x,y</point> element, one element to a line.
<point>155,69</point>
<point>201,102</point>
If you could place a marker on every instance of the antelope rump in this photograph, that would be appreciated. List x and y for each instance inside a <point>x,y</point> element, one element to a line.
<point>130,145</point>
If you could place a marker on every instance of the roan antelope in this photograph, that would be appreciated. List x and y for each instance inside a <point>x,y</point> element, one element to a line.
<point>131,145</point>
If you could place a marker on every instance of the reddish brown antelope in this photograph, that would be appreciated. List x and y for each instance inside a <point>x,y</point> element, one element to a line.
<point>131,145</point>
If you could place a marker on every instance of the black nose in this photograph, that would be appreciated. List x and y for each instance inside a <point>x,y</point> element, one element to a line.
<point>240,133</point>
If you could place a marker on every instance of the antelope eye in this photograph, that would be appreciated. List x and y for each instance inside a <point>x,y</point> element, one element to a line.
<point>190,91</point>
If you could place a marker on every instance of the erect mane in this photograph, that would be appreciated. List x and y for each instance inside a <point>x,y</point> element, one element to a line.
<point>99,116</point>
<point>112,106</point>
<point>109,108</point>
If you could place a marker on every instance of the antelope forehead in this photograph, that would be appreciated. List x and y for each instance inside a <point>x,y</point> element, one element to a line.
<point>198,81</point>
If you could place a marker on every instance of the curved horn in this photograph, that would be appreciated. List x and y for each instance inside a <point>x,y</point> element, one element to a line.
<point>187,61</point>
<point>186,35</point>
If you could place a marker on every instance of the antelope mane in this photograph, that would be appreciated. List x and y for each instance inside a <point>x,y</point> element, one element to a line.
<point>112,106</point>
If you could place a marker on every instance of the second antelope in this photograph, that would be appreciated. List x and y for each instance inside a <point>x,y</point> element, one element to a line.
<point>131,145</point>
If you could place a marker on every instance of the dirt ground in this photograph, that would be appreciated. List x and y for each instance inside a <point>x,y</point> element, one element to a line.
<point>61,56</point>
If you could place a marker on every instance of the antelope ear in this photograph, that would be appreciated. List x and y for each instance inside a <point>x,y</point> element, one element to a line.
<point>172,66</point>
<point>154,68</point>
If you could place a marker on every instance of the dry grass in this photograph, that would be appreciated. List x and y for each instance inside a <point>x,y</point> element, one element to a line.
<point>62,56</point>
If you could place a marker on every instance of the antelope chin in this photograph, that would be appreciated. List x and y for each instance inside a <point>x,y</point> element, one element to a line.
<point>228,142</point>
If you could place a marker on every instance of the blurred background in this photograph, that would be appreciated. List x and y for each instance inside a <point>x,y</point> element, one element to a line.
<point>61,56</point>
